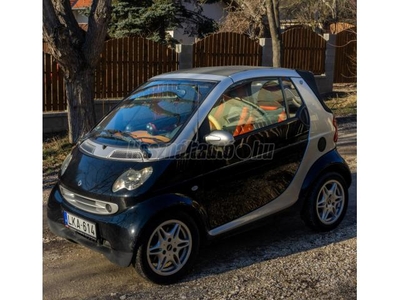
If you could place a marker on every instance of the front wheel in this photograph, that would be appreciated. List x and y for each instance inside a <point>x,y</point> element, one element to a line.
<point>326,203</point>
<point>167,249</point>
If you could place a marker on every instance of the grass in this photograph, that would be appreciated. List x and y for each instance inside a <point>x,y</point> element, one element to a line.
<point>343,100</point>
<point>55,149</point>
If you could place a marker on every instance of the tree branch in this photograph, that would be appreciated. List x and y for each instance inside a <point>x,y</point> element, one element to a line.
<point>100,15</point>
<point>50,23</point>
<point>68,18</point>
<point>62,32</point>
<point>275,5</point>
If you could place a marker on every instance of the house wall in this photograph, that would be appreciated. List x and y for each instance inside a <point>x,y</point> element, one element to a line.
<point>79,17</point>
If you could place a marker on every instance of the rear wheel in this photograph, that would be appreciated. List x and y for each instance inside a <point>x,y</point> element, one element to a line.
<point>326,204</point>
<point>168,249</point>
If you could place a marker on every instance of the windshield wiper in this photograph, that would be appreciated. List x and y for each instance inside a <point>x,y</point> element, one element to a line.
<point>124,136</point>
<point>116,134</point>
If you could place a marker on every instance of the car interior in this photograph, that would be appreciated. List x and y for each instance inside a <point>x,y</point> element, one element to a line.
<point>249,106</point>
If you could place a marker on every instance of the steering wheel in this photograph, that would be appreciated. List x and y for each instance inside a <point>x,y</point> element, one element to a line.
<point>260,110</point>
<point>214,122</point>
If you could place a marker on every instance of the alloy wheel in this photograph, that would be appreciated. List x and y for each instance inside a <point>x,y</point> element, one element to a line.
<point>169,247</point>
<point>330,202</point>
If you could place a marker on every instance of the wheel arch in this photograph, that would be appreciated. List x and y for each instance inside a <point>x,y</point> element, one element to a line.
<point>171,203</point>
<point>330,162</point>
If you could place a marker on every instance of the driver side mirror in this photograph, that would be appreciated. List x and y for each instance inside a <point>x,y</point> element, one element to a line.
<point>220,138</point>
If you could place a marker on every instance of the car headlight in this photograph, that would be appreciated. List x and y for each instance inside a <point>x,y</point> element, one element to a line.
<point>65,163</point>
<point>132,179</point>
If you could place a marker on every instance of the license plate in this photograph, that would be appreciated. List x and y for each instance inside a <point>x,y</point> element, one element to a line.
<point>85,227</point>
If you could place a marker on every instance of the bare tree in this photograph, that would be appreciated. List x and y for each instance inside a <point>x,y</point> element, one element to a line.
<point>258,19</point>
<point>275,30</point>
<point>352,11</point>
<point>77,53</point>
<point>319,14</point>
<point>246,17</point>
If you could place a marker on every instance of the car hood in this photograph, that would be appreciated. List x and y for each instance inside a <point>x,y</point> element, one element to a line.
<point>94,176</point>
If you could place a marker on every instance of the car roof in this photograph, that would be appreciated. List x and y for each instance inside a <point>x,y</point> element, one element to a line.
<point>226,71</point>
<point>221,70</point>
<point>237,73</point>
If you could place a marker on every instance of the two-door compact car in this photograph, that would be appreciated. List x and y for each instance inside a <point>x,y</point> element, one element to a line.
<point>195,155</point>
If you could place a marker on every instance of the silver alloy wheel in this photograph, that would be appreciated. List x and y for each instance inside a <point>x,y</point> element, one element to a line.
<point>330,202</point>
<point>169,247</point>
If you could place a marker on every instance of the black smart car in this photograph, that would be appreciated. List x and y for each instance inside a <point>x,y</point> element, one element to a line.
<point>195,155</point>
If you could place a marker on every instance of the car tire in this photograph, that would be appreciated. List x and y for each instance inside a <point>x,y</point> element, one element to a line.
<point>326,204</point>
<point>168,248</point>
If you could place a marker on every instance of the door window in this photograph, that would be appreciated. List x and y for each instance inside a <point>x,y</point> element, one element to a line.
<point>254,104</point>
<point>292,97</point>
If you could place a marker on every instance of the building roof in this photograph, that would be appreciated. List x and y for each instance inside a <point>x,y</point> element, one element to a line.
<point>79,4</point>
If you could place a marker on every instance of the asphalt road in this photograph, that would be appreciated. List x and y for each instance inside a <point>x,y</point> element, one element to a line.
<point>281,260</point>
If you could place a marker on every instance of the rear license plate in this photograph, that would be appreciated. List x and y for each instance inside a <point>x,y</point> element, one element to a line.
<point>85,227</point>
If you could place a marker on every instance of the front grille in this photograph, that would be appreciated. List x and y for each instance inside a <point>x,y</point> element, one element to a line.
<point>88,204</point>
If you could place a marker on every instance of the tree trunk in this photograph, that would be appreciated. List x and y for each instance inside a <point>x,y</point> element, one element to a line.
<point>275,30</point>
<point>77,53</point>
<point>81,112</point>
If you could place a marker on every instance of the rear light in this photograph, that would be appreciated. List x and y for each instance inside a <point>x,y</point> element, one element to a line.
<point>336,135</point>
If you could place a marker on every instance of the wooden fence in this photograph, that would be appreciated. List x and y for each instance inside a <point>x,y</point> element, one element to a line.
<point>303,49</point>
<point>124,65</point>
<point>226,48</point>
<point>128,62</point>
<point>53,85</point>
<point>346,56</point>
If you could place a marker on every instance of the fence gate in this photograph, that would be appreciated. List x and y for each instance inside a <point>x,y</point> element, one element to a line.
<point>226,49</point>
<point>303,49</point>
<point>128,62</point>
<point>346,56</point>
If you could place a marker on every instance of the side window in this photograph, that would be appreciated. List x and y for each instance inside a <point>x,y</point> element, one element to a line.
<point>270,99</point>
<point>249,105</point>
<point>292,97</point>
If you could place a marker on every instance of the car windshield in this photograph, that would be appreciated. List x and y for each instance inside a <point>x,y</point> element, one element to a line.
<point>154,113</point>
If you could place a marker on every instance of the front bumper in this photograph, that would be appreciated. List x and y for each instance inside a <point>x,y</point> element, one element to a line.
<point>118,257</point>
<point>116,234</point>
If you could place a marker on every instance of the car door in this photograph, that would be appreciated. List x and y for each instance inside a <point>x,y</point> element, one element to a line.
<point>270,127</point>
